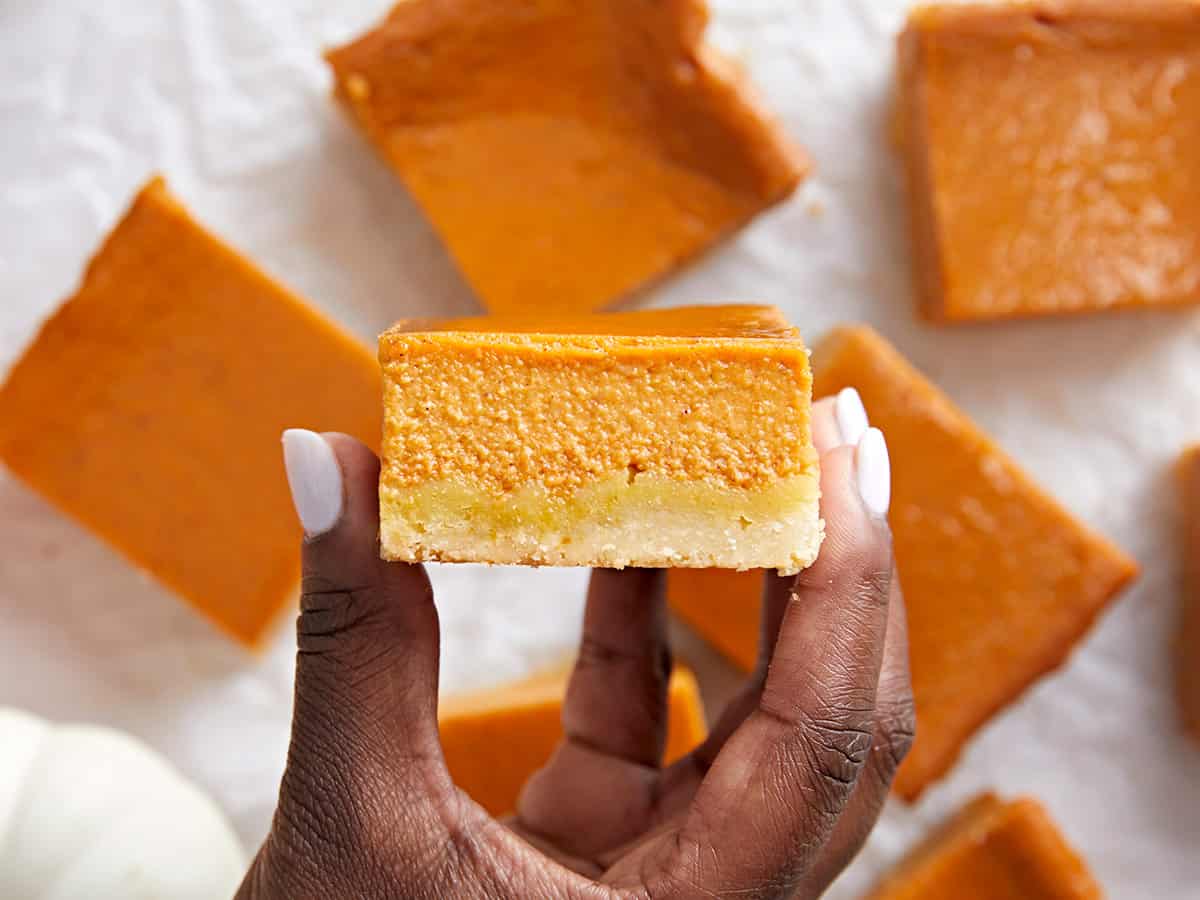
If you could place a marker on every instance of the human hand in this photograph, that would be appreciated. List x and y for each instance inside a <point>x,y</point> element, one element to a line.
<point>774,804</point>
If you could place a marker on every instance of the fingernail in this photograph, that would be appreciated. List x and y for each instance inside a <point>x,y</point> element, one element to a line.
<point>851,416</point>
<point>874,472</point>
<point>315,479</point>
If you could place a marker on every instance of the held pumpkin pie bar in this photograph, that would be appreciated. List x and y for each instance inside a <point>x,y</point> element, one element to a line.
<point>1188,650</point>
<point>1000,582</point>
<point>150,406</point>
<point>668,438</point>
<point>993,850</point>
<point>566,151</point>
<point>495,740</point>
<point>1053,154</point>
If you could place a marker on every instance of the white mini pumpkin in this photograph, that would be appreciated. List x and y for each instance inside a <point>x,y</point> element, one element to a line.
<point>88,812</point>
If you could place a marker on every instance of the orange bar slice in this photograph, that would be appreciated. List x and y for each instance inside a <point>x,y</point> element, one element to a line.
<point>567,151</point>
<point>1053,155</point>
<point>150,409</point>
<point>667,438</point>
<point>993,850</point>
<point>1000,581</point>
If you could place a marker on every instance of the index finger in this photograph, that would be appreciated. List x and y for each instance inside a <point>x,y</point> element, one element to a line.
<point>774,793</point>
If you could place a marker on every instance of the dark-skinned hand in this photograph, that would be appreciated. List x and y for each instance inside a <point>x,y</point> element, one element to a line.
<point>773,804</point>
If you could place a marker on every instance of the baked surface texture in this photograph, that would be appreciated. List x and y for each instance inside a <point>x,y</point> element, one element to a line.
<point>993,850</point>
<point>1053,156</point>
<point>494,740</point>
<point>566,151</point>
<point>668,438</point>
<point>150,407</point>
<point>1000,582</point>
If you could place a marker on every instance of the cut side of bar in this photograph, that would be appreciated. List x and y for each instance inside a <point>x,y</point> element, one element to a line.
<point>666,438</point>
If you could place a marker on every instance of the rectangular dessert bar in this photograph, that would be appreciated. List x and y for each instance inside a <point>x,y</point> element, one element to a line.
<point>1053,155</point>
<point>666,438</point>
<point>999,580</point>
<point>566,151</point>
<point>150,407</point>
<point>494,740</point>
<point>993,850</point>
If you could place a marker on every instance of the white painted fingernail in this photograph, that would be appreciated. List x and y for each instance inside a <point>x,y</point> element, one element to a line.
<point>851,416</point>
<point>315,478</point>
<point>874,472</point>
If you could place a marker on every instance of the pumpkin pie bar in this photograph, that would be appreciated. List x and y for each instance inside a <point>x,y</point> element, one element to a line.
<point>566,151</point>
<point>494,740</point>
<point>1188,651</point>
<point>150,408</point>
<point>1053,155</point>
<point>999,580</point>
<point>993,850</point>
<point>666,438</point>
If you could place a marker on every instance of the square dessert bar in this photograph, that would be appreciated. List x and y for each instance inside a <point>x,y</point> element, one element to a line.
<point>494,740</point>
<point>150,409</point>
<point>667,438</point>
<point>993,850</point>
<point>1000,581</point>
<point>566,151</point>
<point>1053,154</point>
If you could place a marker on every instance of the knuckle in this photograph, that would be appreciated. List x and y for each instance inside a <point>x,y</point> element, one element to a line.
<point>897,729</point>
<point>320,589</point>
<point>829,747</point>
<point>331,614</point>
<point>834,735</point>
<point>594,653</point>
<point>328,610</point>
<point>836,749</point>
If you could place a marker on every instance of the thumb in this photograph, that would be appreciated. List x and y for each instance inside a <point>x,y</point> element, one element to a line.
<point>364,761</point>
<point>365,714</point>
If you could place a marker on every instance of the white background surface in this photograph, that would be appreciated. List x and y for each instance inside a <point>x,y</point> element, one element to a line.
<point>230,100</point>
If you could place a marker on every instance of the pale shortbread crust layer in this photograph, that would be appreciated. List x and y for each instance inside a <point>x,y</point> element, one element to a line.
<point>618,521</point>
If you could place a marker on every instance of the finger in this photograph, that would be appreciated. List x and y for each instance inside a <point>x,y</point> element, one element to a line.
<point>367,666</point>
<point>771,799</point>
<point>617,698</point>
<point>895,728</point>
<point>837,421</point>
<point>614,720</point>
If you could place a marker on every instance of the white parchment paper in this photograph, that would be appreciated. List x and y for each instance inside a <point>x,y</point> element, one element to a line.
<point>229,98</point>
